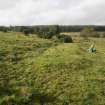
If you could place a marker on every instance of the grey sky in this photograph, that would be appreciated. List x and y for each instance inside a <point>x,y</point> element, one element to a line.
<point>65,12</point>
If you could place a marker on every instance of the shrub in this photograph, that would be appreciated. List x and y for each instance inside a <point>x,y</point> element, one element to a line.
<point>103,35</point>
<point>48,32</point>
<point>45,35</point>
<point>68,39</point>
<point>89,32</point>
<point>26,31</point>
<point>48,35</point>
<point>4,29</point>
<point>65,38</point>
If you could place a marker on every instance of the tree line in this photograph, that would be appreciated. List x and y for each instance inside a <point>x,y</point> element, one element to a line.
<point>46,28</point>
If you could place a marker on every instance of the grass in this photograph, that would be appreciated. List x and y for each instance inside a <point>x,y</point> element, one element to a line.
<point>39,71</point>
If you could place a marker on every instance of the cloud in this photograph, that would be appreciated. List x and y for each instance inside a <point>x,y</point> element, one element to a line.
<point>7,4</point>
<point>35,12</point>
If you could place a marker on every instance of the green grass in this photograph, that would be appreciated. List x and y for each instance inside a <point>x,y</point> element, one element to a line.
<point>35,71</point>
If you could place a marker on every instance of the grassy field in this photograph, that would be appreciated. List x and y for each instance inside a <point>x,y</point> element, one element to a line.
<point>77,34</point>
<point>36,71</point>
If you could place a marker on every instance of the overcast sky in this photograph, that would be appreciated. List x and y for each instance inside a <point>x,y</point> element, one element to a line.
<point>41,12</point>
